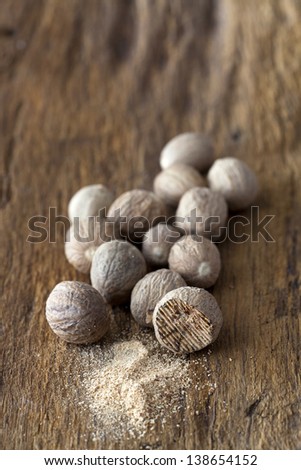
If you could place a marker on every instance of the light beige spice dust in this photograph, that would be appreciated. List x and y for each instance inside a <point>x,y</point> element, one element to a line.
<point>131,385</point>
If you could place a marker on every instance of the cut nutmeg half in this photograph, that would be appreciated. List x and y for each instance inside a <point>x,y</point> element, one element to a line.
<point>187,319</point>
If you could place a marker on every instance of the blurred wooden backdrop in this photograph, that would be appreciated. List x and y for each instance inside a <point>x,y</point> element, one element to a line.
<point>90,90</point>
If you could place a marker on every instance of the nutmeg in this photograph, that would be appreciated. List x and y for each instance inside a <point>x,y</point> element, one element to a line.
<point>197,259</point>
<point>149,290</point>
<point>202,211</point>
<point>89,201</point>
<point>190,148</point>
<point>172,183</point>
<point>157,243</point>
<point>235,180</point>
<point>116,267</point>
<point>134,212</point>
<point>187,319</point>
<point>82,240</point>
<point>77,313</point>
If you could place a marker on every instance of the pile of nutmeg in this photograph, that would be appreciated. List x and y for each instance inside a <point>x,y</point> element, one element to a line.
<point>155,250</point>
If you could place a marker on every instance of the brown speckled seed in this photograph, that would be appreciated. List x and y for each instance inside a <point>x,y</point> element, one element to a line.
<point>191,148</point>
<point>135,211</point>
<point>149,290</point>
<point>77,313</point>
<point>187,319</point>
<point>235,180</point>
<point>116,267</point>
<point>197,259</point>
<point>82,241</point>
<point>89,200</point>
<point>172,183</point>
<point>157,243</point>
<point>202,211</point>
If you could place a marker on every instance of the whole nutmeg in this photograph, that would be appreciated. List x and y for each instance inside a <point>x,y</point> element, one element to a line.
<point>89,201</point>
<point>82,240</point>
<point>202,211</point>
<point>187,319</point>
<point>235,180</point>
<point>135,211</point>
<point>116,267</point>
<point>157,243</point>
<point>172,183</point>
<point>77,313</point>
<point>149,290</point>
<point>197,259</point>
<point>190,148</point>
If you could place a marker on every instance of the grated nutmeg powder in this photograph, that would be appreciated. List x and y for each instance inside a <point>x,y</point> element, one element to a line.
<point>131,384</point>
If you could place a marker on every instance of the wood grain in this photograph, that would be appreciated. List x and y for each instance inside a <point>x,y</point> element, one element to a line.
<point>90,91</point>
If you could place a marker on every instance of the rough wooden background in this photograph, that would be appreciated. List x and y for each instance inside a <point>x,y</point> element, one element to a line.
<point>90,90</point>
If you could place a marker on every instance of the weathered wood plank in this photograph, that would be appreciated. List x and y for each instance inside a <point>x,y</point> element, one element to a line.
<point>90,91</point>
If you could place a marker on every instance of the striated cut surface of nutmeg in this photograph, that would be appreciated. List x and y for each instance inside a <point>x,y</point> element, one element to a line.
<point>187,319</point>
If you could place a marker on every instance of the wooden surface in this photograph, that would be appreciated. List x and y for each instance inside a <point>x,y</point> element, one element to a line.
<point>90,92</point>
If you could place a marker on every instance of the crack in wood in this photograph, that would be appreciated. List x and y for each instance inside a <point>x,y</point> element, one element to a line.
<point>250,411</point>
<point>5,178</point>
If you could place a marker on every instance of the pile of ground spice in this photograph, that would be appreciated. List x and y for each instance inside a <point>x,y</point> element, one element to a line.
<point>130,384</point>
